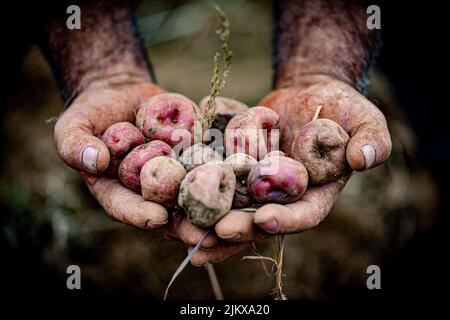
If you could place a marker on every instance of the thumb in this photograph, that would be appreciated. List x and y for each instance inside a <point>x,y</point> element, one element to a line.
<point>370,143</point>
<point>77,145</point>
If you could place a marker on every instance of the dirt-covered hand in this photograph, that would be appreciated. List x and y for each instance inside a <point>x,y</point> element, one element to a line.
<point>77,136</point>
<point>369,146</point>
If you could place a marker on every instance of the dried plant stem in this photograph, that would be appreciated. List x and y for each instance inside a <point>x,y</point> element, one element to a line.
<point>277,269</point>
<point>214,281</point>
<point>278,250</point>
<point>221,69</point>
<point>316,114</point>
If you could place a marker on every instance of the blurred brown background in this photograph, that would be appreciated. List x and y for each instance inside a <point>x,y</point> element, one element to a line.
<point>49,220</point>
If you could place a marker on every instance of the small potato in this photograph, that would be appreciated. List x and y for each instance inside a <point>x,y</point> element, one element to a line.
<point>226,108</point>
<point>198,154</point>
<point>120,138</point>
<point>161,115</point>
<point>160,180</point>
<point>320,145</point>
<point>253,132</point>
<point>242,164</point>
<point>277,179</point>
<point>206,193</point>
<point>130,168</point>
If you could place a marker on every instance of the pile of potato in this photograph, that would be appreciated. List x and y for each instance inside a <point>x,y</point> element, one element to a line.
<point>160,157</point>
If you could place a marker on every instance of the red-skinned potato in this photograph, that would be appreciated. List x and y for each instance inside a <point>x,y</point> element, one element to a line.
<point>206,193</point>
<point>321,145</point>
<point>130,168</point>
<point>226,108</point>
<point>242,164</point>
<point>120,138</point>
<point>277,179</point>
<point>159,116</point>
<point>160,180</point>
<point>243,133</point>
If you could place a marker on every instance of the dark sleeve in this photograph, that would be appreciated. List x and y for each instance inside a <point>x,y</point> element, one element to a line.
<point>323,37</point>
<point>108,44</point>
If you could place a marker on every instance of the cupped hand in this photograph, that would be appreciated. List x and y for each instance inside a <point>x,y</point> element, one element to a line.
<point>77,136</point>
<point>369,146</point>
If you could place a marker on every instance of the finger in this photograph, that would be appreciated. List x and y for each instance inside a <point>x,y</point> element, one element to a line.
<point>77,145</point>
<point>124,205</point>
<point>191,234</point>
<point>302,215</point>
<point>370,143</point>
<point>89,116</point>
<point>217,254</point>
<point>238,226</point>
<point>169,232</point>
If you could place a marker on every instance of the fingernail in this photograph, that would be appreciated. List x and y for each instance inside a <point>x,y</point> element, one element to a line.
<point>89,158</point>
<point>153,225</point>
<point>368,153</point>
<point>233,237</point>
<point>270,226</point>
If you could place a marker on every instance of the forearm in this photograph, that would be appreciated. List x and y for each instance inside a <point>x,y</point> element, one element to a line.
<point>106,49</point>
<point>323,38</point>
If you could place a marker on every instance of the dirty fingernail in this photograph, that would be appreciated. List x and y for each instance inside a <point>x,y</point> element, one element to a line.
<point>270,226</point>
<point>232,237</point>
<point>368,153</point>
<point>89,158</point>
<point>154,225</point>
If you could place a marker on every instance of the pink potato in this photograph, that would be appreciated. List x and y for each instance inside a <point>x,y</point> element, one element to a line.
<point>130,168</point>
<point>244,132</point>
<point>160,180</point>
<point>320,145</point>
<point>226,108</point>
<point>206,193</point>
<point>198,154</point>
<point>164,113</point>
<point>120,138</point>
<point>277,179</point>
<point>242,164</point>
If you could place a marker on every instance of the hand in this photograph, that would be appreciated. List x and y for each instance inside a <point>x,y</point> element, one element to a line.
<point>76,135</point>
<point>369,146</point>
